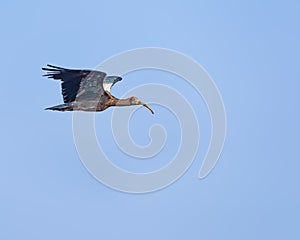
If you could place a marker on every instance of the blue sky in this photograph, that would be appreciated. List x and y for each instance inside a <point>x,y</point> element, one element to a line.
<point>250,48</point>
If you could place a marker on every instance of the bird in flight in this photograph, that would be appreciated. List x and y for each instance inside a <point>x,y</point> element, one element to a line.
<point>87,90</point>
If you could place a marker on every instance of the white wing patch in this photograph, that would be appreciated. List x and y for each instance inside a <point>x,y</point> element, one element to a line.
<point>109,81</point>
<point>107,86</point>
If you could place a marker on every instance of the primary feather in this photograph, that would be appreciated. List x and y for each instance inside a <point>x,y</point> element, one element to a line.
<point>77,84</point>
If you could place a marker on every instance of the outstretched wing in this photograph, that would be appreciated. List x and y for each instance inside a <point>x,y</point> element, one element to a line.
<point>109,81</point>
<point>77,84</point>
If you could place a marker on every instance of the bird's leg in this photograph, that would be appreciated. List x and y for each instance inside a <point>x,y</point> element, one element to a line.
<point>108,93</point>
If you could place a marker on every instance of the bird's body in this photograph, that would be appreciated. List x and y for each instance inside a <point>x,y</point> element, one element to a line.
<point>87,90</point>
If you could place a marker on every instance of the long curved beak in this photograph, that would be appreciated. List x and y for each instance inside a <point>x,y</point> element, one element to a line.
<point>146,106</point>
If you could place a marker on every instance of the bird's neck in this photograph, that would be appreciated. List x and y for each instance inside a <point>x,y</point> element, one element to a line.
<point>122,102</point>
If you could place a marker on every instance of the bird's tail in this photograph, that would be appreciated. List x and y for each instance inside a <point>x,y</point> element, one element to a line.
<point>61,107</point>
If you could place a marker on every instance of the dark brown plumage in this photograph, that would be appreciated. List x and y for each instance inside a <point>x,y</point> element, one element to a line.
<point>87,90</point>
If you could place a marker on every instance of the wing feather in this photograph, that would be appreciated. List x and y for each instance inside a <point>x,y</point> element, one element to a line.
<point>110,81</point>
<point>77,84</point>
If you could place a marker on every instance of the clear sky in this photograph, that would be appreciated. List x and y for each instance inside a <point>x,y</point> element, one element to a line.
<point>251,50</point>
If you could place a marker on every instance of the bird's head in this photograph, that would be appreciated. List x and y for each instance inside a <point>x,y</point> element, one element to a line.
<point>136,101</point>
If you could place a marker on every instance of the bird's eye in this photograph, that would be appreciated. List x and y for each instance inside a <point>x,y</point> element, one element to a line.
<point>132,100</point>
